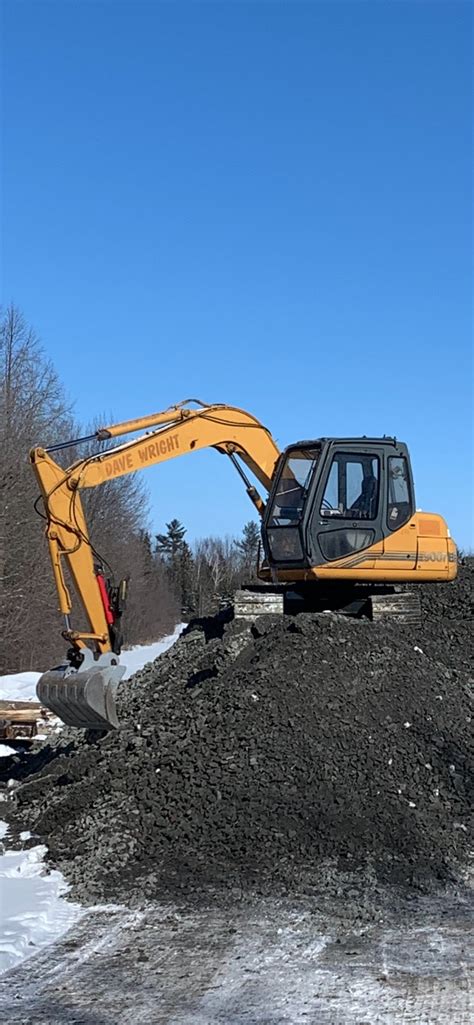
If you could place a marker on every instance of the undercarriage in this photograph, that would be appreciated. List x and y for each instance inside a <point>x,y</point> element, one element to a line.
<point>373,602</point>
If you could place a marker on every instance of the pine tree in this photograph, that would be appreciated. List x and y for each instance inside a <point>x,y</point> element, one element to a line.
<point>178,559</point>
<point>248,546</point>
<point>170,544</point>
<point>185,580</point>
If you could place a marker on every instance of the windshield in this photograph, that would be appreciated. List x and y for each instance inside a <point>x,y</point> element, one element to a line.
<point>292,487</point>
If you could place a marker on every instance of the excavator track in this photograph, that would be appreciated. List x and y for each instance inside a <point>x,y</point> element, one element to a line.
<point>405,607</point>
<point>402,606</point>
<point>250,604</point>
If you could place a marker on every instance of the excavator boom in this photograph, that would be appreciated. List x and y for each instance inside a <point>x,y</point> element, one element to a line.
<point>82,691</point>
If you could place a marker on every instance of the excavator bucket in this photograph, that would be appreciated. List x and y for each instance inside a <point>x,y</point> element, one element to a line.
<point>84,698</point>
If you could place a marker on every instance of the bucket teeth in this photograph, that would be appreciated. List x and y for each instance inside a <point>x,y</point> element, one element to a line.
<point>82,699</point>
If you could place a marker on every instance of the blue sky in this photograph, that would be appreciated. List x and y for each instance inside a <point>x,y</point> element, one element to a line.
<point>265,204</point>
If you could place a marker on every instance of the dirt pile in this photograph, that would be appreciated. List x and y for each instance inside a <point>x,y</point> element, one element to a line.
<point>264,753</point>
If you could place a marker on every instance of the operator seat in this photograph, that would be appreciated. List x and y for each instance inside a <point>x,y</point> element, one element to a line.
<point>365,505</point>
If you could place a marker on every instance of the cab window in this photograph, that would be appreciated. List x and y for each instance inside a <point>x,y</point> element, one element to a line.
<point>399,505</point>
<point>292,487</point>
<point>352,487</point>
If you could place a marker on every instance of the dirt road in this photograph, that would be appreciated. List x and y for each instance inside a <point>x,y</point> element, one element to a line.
<point>257,962</point>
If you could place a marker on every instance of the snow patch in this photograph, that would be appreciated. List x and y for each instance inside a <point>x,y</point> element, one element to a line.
<point>33,911</point>
<point>137,657</point>
<point>5,750</point>
<point>19,687</point>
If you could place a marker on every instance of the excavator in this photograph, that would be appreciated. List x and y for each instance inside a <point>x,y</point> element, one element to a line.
<point>339,526</point>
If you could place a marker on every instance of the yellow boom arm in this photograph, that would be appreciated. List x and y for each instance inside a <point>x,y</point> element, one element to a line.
<point>171,433</point>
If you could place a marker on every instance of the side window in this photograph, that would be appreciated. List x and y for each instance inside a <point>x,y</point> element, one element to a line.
<point>352,487</point>
<point>399,505</point>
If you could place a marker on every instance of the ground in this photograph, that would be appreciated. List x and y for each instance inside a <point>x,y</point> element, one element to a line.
<point>251,962</point>
<point>351,953</point>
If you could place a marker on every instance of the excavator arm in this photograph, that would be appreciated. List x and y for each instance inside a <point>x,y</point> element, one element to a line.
<point>181,429</point>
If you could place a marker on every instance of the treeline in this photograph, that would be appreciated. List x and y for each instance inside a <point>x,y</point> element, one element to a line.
<point>168,579</point>
<point>203,576</point>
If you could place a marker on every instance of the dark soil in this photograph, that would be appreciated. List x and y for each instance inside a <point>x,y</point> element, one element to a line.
<point>267,756</point>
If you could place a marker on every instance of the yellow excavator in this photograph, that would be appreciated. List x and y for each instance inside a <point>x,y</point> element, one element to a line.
<point>340,531</point>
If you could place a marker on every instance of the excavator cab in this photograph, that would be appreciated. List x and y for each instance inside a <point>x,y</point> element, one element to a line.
<point>334,498</point>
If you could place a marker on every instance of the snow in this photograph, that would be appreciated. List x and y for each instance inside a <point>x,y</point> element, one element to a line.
<point>5,750</point>
<point>19,687</point>
<point>22,686</point>
<point>32,909</point>
<point>135,658</point>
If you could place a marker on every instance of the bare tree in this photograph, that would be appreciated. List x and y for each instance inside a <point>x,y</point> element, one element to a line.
<point>216,572</point>
<point>33,408</point>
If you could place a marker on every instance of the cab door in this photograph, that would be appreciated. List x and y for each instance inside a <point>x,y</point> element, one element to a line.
<point>346,518</point>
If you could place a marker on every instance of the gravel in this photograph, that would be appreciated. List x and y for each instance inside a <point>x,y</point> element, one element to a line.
<point>271,757</point>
